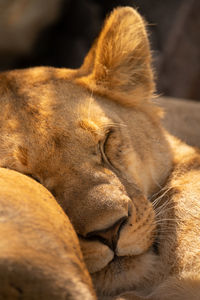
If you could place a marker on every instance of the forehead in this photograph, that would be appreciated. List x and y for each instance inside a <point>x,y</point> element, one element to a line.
<point>84,110</point>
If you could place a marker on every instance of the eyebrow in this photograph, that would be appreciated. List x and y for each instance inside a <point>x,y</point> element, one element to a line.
<point>91,127</point>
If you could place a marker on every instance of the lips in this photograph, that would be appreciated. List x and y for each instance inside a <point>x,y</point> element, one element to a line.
<point>96,255</point>
<point>135,239</point>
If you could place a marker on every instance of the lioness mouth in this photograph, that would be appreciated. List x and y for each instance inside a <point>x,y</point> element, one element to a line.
<point>109,236</point>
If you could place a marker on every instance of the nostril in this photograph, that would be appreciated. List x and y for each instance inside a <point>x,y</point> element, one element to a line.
<point>109,236</point>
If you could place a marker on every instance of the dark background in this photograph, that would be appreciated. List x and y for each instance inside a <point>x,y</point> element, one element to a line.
<point>60,32</point>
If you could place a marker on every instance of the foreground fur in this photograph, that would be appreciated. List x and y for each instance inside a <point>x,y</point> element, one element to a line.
<point>94,139</point>
<point>40,257</point>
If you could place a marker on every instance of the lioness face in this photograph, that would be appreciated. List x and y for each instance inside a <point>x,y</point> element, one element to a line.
<point>94,140</point>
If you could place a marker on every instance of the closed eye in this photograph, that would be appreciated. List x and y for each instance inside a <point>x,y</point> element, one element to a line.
<point>102,146</point>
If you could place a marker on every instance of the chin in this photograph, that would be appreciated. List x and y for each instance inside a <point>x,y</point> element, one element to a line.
<point>125,274</point>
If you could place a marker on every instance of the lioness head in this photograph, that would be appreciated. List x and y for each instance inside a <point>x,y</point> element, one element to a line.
<point>93,138</point>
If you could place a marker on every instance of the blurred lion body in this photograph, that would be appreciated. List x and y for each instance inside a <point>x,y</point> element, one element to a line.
<point>40,257</point>
<point>182,119</point>
<point>94,139</point>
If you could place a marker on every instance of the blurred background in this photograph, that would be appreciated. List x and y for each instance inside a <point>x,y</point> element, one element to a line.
<point>60,32</point>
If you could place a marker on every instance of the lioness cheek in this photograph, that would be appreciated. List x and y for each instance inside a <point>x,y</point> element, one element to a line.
<point>137,235</point>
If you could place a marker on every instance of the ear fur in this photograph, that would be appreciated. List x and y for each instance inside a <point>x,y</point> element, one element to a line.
<point>119,64</point>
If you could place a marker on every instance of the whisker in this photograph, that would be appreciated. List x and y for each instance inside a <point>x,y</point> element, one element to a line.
<point>89,105</point>
<point>163,189</point>
<point>163,211</point>
<point>164,220</point>
<point>156,201</point>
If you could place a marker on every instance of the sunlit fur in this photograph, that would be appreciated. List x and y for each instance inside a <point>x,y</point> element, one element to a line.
<point>40,257</point>
<point>54,126</point>
<point>121,50</point>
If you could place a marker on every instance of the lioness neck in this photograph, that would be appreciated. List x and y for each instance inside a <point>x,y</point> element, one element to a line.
<point>181,152</point>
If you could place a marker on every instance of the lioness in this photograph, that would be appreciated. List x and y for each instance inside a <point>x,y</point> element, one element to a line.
<point>93,138</point>
<point>40,258</point>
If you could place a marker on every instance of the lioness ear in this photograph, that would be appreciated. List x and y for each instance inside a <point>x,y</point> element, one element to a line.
<point>119,64</point>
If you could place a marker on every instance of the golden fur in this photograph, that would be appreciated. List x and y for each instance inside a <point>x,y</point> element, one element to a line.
<point>94,139</point>
<point>40,257</point>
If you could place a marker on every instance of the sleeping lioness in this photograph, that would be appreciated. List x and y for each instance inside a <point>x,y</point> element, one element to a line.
<point>40,258</point>
<point>93,137</point>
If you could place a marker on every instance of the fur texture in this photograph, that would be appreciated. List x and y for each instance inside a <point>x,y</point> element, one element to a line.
<point>94,139</point>
<point>40,257</point>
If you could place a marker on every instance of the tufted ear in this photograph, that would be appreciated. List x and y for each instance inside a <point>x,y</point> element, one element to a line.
<point>119,63</point>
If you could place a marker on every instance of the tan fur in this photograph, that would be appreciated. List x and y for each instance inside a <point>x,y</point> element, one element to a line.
<point>94,139</point>
<point>116,56</point>
<point>40,257</point>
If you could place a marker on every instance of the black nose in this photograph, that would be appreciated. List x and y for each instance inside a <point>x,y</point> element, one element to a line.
<point>109,236</point>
